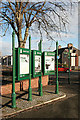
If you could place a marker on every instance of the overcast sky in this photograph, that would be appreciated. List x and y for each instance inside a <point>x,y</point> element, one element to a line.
<point>71,37</point>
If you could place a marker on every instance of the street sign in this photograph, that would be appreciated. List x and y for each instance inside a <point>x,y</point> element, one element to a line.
<point>57,57</point>
<point>49,63</point>
<point>36,63</point>
<point>22,63</point>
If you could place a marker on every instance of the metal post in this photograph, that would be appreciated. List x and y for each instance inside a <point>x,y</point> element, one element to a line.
<point>40,45</point>
<point>13,82</point>
<point>57,84</point>
<point>40,77</point>
<point>69,67</point>
<point>30,89</point>
<point>39,48</point>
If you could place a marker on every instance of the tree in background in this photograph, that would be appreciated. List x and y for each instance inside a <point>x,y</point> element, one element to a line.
<point>47,15</point>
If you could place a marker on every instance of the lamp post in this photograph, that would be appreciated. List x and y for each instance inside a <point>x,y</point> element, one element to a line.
<point>69,67</point>
<point>13,82</point>
<point>57,84</point>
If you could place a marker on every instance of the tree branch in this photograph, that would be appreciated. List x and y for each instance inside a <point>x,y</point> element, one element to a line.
<point>36,13</point>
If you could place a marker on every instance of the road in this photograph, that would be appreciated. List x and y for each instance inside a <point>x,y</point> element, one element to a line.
<point>62,109</point>
<point>65,108</point>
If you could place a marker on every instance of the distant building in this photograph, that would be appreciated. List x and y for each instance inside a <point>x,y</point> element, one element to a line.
<point>0,58</point>
<point>7,60</point>
<point>74,53</point>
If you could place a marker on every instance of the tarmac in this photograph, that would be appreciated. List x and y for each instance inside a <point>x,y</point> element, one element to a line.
<point>23,104</point>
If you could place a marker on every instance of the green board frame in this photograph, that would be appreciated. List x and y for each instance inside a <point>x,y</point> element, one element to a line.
<point>34,53</point>
<point>18,52</point>
<point>46,53</point>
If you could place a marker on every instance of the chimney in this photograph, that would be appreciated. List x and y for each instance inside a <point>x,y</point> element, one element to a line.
<point>59,47</point>
<point>70,45</point>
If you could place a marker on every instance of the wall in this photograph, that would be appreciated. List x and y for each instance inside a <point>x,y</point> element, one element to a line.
<point>78,60</point>
<point>23,85</point>
<point>73,59</point>
<point>65,58</point>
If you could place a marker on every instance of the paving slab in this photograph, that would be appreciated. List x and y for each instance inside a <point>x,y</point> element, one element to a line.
<point>23,104</point>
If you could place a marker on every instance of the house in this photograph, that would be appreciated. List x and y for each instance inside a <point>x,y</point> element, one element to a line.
<point>74,56</point>
<point>7,60</point>
<point>0,58</point>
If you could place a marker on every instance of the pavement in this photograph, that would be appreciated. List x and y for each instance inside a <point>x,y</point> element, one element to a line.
<point>23,104</point>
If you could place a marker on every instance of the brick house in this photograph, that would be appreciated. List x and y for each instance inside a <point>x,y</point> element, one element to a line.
<point>74,53</point>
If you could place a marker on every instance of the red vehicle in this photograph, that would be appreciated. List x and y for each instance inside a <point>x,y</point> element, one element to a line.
<point>60,68</point>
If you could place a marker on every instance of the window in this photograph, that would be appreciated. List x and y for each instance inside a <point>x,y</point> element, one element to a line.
<point>65,62</point>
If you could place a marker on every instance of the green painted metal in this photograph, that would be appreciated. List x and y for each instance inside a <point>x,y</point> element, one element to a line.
<point>65,52</point>
<point>16,63</point>
<point>34,54</point>
<point>40,77</point>
<point>69,67</point>
<point>40,45</point>
<point>52,72</point>
<point>21,51</point>
<point>57,84</point>
<point>40,86</point>
<point>30,89</point>
<point>13,82</point>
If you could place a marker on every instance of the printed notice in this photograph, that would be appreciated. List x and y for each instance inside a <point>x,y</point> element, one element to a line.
<point>49,63</point>
<point>24,64</point>
<point>37,63</point>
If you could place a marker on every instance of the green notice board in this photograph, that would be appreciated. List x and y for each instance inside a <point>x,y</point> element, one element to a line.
<point>36,63</point>
<point>22,63</point>
<point>48,63</point>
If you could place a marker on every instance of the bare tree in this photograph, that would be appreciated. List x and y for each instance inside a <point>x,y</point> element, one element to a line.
<point>47,15</point>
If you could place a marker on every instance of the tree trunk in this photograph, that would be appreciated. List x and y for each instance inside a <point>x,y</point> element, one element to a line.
<point>26,34</point>
<point>21,44</point>
<point>20,40</point>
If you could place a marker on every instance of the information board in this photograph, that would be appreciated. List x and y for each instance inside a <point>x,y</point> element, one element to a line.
<point>36,63</point>
<point>49,63</point>
<point>22,63</point>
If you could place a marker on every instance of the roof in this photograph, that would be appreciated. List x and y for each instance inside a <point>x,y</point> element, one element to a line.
<point>61,50</point>
<point>77,51</point>
<point>6,56</point>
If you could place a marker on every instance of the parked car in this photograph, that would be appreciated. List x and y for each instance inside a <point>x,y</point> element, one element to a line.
<point>60,68</point>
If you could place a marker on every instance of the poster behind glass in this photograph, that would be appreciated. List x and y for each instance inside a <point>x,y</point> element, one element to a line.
<point>24,64</point>
<point>49,63</point>
<point>37,63</point>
